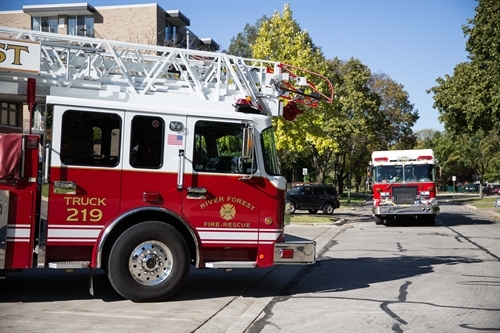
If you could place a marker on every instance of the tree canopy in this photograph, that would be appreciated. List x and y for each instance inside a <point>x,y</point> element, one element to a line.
<point>469,100</point>
<point>369,112</point>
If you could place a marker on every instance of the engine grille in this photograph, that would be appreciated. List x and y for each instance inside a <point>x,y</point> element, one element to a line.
<point>404,195</point>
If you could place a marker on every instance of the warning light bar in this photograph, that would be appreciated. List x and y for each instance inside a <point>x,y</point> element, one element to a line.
<point>381,159</point>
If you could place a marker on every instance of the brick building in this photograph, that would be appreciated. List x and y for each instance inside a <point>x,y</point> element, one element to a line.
<point>142,23</point>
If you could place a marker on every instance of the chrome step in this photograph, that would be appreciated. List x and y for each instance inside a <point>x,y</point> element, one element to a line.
<point>69,264</point>
<point>231,264</point>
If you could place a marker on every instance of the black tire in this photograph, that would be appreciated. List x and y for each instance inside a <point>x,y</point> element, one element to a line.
<point>154,248</point>
<point>292,208</point>
<point>312,211</point>
<point>328,209</point>
<point>378,220</point>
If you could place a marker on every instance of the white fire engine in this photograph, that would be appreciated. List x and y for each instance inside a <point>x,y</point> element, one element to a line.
<point>159,158</point>
<point>404,184</point>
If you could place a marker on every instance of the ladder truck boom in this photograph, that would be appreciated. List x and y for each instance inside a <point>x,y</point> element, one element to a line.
<point>82,62</point>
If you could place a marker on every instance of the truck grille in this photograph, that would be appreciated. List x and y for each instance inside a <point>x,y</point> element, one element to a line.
<point>404,195</point>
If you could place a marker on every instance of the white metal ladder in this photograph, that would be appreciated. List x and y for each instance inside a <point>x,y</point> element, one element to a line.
<point>90,63</point>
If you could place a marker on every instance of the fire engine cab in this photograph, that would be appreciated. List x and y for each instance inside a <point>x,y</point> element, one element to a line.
<point>404,185</point>
<point>157,159</point>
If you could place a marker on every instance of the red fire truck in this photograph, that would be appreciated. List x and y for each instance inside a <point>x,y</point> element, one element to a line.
<point>404,184</point>
<point>158,159</point>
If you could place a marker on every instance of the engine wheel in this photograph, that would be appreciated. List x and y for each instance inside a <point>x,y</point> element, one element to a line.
<point>378,220</point>
<point>328,209</point>
<point>148,262</point>
<point>312,211</point>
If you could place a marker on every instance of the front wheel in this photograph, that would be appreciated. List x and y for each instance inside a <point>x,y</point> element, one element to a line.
<point>328,209</point>
<point>292,207</point>
<point>378,220</point>
<point>148,262</point>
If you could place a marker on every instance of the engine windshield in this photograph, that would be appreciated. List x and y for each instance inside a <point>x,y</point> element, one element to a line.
<point>404,173</point>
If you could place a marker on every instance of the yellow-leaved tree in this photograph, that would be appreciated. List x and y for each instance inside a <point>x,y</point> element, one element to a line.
<point>280,38</point>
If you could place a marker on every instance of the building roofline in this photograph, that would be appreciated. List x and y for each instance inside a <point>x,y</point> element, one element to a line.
<point>58,9</point>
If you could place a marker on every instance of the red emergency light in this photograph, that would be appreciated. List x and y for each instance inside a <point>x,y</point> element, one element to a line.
<point>381,159</point>
<point>246,105</point>
<point>424,158</point>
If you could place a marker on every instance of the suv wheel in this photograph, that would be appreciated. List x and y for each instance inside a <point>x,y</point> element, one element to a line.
<point>292,208</point>
<point>312,211</point>
<point>328,209</point>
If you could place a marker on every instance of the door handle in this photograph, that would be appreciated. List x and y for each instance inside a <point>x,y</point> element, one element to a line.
<point>197,193</point>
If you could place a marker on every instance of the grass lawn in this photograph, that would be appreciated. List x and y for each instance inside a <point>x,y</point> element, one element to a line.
<point>485,203</point>
<point>313,218</point>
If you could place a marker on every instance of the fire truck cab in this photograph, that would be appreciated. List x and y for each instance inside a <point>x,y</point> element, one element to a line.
<point>404,185</point>
<point>158,159</point>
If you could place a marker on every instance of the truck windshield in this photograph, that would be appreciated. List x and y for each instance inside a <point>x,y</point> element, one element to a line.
<point>270,154</point>
<point>403,173</point>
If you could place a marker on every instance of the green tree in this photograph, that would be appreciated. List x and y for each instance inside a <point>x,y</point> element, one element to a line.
<point>399,112</point>
<point>469,157</point>
<point>280,38</point>
<point>241,44</point>
<point>469,100</point>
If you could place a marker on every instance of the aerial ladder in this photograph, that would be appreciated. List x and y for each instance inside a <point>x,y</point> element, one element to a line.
<point>68,61</point>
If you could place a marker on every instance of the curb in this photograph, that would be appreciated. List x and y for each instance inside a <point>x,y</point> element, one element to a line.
<point>314,224</point>
<point>485,211</point>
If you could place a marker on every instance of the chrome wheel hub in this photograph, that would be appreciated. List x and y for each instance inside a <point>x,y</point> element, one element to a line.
<point>150,263</point>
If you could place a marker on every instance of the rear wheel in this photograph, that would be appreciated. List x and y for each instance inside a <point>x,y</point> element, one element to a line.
<point>312,211</point>
<point>292,208</point>
<point>148,262</point>
<point>328,209</point>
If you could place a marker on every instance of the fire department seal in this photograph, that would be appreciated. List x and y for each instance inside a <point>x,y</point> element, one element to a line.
<point>227,212</point>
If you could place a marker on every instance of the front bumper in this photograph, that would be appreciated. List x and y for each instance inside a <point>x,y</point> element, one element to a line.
<point>304,253</point>
<point>406,210</point>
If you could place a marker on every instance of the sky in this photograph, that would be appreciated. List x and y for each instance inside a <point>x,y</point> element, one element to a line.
<point>412,41</point>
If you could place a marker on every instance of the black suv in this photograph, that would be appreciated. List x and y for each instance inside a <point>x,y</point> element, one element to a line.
<point>313,198</point>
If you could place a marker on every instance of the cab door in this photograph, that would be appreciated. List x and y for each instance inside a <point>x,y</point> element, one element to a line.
<point>85,175</point>
<point>222,191</point>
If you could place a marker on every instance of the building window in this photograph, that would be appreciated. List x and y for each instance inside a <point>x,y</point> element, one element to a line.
<point>170,34</point>
<point>9,114</point>
<point>44,23</point>
<point>81,25</point>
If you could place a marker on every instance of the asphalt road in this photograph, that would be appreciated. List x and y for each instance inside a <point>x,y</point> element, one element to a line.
<point>398,278</point>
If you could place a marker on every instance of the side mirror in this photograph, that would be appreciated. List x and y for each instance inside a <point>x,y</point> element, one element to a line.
<point>247,146</point>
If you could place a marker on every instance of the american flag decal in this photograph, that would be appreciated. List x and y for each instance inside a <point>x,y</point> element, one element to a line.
<point>174,140</point>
